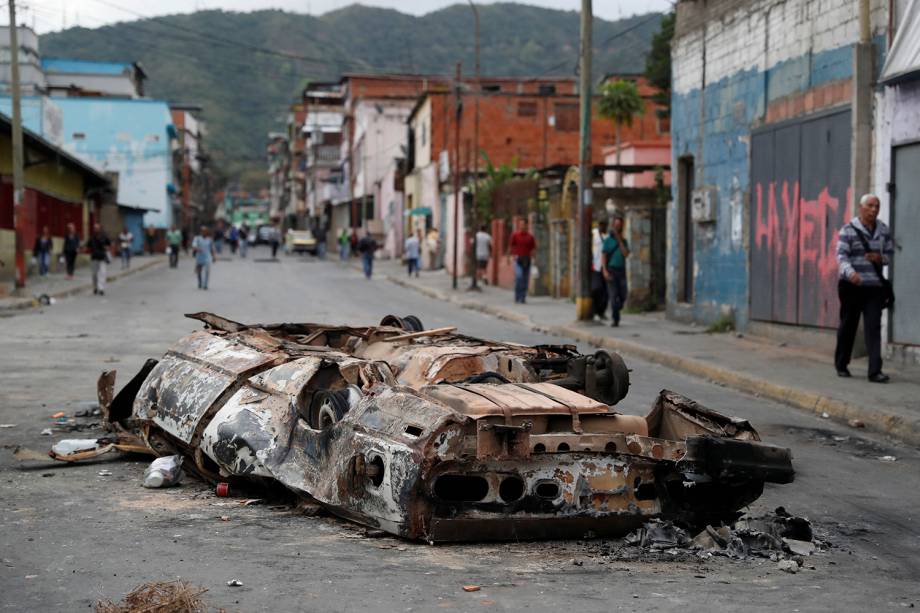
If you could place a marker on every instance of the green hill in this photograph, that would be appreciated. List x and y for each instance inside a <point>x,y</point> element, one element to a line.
<point>212,57</point>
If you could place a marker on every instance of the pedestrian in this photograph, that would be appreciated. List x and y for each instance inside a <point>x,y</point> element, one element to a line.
<point>864,245</point>
<point>233,239</point>
<point>353,241</point>
<point>367,246</point>
<point>218,237</point>
<point>344,245</point>
<point>125,241</point>
<point>522,246</point>
<point>615,251</point>
<point>483,249</point>
<point>150,238</point>
<point>42,249</point>
<point>71,248</point>
<point>598,281</point>
<point>320,237</point>
<point>413,252</point>
<point>274,239</point>
<point>205,254</point>
<point>99,255</point>
<point>173,244</point>
<point>244,240</point>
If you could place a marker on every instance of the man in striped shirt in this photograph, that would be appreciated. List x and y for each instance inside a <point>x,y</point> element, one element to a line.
<point>860,287</point>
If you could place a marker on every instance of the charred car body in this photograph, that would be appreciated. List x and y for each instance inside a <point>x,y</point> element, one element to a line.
<point>429,434</point>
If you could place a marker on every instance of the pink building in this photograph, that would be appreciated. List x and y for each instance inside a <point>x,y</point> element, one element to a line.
<point>640,152</point>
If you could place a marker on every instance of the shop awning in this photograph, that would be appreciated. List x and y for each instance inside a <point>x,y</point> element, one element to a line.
<point>903,60</point>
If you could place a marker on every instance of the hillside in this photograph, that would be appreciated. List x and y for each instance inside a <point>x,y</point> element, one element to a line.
<point>211,57</point>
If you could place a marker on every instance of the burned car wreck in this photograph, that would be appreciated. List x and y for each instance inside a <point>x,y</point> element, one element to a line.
<point>430,434</point>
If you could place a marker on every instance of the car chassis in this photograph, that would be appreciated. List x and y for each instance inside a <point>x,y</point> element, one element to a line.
<point>430,434</point>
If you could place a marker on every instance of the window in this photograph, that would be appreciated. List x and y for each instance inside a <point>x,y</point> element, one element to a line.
<point>566,117</point>
<point>527,108</point>
<point>547,90</point>
<point>492,88</point>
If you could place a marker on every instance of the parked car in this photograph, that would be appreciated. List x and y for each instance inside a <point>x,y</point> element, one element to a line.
<point>299,241</point>
<point>434,435</point>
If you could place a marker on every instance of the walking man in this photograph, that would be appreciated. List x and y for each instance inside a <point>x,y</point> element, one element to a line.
<point>274,239</point>
<point>99,245</point>
<point>71,248</point>
<point>598,281</point>
<point>864,245</point>
<point>344,244</point>
<point>41,251</point>
<point>173,243</point>
<point>413,252</point>
<point>204,250</point>
<point>522,247</point>
<point>244,240</point>
<point>366,247</point>
<point>483,249</point>
<point>615,252</point>
<point>125,241</point>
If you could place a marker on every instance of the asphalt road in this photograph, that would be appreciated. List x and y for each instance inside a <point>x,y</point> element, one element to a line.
<point>70,535</point>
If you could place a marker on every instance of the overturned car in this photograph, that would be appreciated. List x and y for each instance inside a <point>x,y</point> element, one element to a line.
<point>430,434</point>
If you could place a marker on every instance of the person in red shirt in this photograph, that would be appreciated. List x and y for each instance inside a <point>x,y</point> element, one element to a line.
<point>522,246</point>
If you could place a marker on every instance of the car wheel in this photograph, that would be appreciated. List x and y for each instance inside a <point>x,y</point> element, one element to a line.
<point>330,406</point>
<point>412,323</point>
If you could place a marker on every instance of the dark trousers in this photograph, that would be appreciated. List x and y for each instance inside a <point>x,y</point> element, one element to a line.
<point>70,258</point>
<point>856,300</point>
<point>173,256</point>
<point>616,292</point>
<point>413,266</point>
<point>598,293</point>
<point>521,278</point>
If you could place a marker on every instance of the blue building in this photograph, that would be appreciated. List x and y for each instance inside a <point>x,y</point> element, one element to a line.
<point>762,125</point>
<point>129,138</point>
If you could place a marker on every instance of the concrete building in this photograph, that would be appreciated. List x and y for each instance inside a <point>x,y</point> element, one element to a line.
<point>897,155</point>
<point>189,163</point>
<point>69,78</point>
<point>59,189</point>
<point>321,131</point>
<point>762,125</point>
<point>31,75</point>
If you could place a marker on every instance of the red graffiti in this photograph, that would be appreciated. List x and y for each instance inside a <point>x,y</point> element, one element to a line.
<point>794,264</point>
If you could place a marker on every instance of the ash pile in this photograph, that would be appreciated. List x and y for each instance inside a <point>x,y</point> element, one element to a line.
<point>778,536</point>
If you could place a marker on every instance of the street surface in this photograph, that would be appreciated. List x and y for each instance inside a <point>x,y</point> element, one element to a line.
<point>70,536</point>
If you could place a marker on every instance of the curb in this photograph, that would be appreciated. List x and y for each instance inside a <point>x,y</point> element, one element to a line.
<point>22,304</point>
<point>896,426</point>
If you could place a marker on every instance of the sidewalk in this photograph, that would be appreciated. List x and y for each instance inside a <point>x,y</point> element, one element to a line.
<point>56,286</point>
<point>793,375</point>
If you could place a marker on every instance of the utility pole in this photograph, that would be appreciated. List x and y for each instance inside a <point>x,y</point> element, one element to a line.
<point>18,183</point>
<point>585,173</point>
<point>459,113</point>
<point>474,216</point>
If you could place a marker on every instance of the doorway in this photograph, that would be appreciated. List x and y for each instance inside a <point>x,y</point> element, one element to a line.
<point>905,224</point>
<point>685,187</point>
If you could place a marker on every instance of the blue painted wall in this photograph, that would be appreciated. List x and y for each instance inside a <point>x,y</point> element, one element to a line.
<point>714,126</point>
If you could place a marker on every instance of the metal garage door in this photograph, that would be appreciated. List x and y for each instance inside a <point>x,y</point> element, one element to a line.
<point>799,193</point>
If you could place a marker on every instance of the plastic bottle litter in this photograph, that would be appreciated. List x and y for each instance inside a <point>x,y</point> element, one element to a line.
<point>164,472</point>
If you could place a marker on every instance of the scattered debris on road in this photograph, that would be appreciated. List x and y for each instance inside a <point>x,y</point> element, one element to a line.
<point>887,458</point>
<point>235,583</point>
<point>471,588</point>
<point>434,435</point>
<point>164,472</point>
<point>158,597</point>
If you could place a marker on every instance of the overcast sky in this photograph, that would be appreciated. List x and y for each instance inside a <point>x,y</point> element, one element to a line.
<point>50,15</point>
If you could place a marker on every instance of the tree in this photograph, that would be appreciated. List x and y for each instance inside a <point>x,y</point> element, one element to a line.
<point>620,102</point>
<point>496,176</point>
<point>658,65</point>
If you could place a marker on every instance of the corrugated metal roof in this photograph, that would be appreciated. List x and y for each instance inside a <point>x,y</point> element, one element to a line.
<point>64,65</point>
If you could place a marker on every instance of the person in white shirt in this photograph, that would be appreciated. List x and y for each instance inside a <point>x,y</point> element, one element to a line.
<point>483,252</point>
<point>598,284</point>
<point>413,252</point>
<point>125,241</point>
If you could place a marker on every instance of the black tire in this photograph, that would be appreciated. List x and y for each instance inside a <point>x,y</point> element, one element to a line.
<point>394,321</point>
<point>612,370</point>
<point>327,408</point>
<point>412,323</point>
